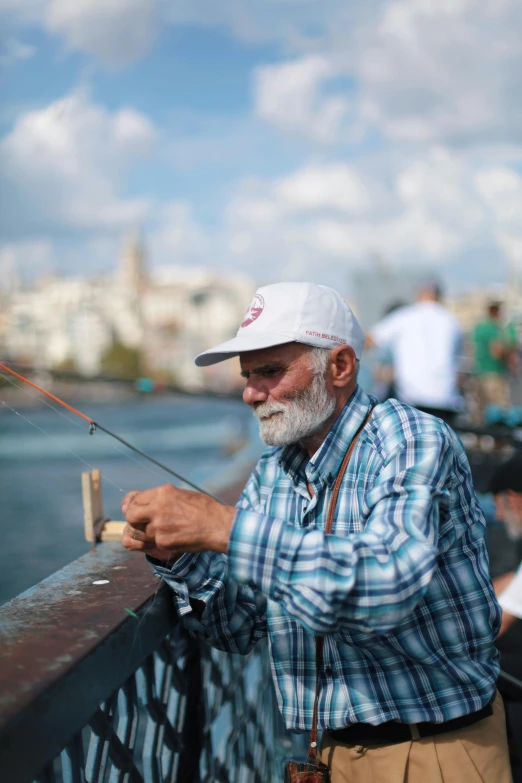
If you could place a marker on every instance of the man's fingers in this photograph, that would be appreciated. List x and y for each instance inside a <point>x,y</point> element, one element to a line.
<point>136,533</point>
<point>131,541</point>
<point>137,516</point>
<point>137,498</point>
<point>128,499</point>
<point>137,539</point>
<point>146,496</point>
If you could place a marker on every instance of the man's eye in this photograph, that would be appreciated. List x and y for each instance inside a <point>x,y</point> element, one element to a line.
<point>271,372</point>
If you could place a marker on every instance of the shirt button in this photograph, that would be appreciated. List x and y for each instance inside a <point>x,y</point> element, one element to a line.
<point>328,671</point>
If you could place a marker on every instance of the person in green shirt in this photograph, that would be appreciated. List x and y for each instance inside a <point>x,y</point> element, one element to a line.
<point>495,347</point>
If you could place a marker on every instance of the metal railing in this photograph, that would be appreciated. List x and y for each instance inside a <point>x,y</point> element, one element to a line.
<point>99,684</point>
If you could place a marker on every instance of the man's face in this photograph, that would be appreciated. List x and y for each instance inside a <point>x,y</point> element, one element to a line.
<point>290,401</point>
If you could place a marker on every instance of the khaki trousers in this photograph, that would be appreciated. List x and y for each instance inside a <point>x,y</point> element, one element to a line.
<point>476,754</point>
<point>493,389</point>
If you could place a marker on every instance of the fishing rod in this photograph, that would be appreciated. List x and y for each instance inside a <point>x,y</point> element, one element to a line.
<point>94,425</point>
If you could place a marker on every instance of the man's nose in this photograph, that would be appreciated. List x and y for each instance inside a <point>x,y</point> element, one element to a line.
<point>253,394</point>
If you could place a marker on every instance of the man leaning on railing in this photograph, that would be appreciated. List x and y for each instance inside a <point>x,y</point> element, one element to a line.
<point>399,591</point>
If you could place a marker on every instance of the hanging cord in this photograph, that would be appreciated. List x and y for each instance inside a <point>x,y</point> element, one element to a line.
<point>93,426</point>
<point>40,429</point>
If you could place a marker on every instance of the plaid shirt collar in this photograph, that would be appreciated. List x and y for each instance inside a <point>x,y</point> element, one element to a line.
<point>324,465</point>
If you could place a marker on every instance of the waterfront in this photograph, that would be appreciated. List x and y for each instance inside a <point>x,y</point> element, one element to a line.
<point>40,476</point>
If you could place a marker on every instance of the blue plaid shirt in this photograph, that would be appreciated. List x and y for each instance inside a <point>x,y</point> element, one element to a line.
<point>400,589</point>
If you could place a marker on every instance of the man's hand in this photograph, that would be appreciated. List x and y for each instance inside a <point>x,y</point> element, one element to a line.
<point>165,522</point>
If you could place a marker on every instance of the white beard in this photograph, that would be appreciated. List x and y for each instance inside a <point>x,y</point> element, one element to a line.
<point>296,419</point>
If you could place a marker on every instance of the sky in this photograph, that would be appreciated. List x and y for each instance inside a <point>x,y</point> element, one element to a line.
<point>279,139</point>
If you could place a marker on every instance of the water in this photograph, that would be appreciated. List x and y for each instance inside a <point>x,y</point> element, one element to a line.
<point>40,477</point>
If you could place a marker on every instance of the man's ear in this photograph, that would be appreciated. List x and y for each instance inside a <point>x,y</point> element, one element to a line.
<point>343,363</point>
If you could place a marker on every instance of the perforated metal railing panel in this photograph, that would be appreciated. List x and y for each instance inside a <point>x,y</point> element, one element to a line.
<point>90,693</point>
<point>181,717</point>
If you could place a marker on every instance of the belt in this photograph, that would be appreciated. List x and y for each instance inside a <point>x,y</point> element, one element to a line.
<point>391,732</point>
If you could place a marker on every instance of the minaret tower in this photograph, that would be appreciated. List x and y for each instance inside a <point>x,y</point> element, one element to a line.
<point>132,265</point>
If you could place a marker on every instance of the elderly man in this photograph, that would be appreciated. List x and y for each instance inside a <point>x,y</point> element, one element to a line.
<point>398,591</point>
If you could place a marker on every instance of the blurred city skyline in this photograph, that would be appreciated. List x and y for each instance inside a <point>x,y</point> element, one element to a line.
<point>295,139</point>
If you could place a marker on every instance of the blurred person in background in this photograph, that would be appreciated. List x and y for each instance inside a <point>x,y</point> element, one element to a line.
<point>425,341</point>
<point>495,354</point>
<point>383,372</point>
<point>506,488</point>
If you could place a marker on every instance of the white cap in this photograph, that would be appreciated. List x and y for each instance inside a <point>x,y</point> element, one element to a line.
<point>291,312</point>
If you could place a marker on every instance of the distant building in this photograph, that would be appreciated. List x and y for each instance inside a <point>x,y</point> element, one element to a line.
<point>186,312</point>
<point>132,269</point>
<point>170,313</point>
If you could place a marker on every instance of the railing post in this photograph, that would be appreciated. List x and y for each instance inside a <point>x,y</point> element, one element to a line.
<point>192,735</point>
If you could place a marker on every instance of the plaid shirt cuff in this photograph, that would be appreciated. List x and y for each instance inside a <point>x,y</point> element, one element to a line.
<point>192,576</point>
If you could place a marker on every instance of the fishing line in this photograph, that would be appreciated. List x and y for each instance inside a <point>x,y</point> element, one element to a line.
<point>17,413</point>
<point>72,421</point>
<point>94,425</point>
<point>120,489</point>
<point>31,396</point>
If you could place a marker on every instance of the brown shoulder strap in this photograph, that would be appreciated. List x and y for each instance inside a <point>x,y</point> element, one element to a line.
<point>342,471</point>
<point>312,749</point>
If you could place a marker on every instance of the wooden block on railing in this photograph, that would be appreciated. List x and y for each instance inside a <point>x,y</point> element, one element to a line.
<point>97,526</point>
<point>112,531</point>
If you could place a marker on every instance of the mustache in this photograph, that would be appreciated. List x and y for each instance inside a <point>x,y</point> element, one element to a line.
<point>266,409</point>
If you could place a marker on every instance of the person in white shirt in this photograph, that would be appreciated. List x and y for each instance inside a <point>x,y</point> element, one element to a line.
<point>425,340</point>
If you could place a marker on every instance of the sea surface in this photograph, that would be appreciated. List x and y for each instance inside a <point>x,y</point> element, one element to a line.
<point>43,454</point>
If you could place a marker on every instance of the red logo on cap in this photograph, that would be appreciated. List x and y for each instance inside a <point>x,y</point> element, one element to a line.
<point>254,311</point>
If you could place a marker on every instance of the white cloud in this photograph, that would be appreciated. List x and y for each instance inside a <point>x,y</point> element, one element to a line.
<point>332,186</point>
<point>501,188</point>
<point>62,168</point>
<point>444,71</point>
<point>424,72</point>
<point>294,24</point>
<point>22,10</point>
<point>433,83</point>
<point>13,51</point>
<point>436,211</point>
<point>177,238</point>
<point>121,31</point>
<point>115,31</point>
<point>289,96</point>
<point>319,188</point>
